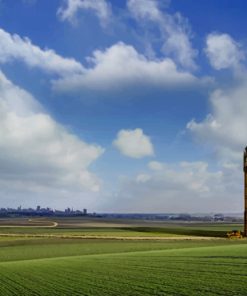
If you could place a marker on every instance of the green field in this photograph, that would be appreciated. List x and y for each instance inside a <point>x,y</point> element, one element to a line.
<point>106,266</point>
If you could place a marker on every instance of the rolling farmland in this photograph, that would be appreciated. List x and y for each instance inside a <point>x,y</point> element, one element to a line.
<point>65,265</point>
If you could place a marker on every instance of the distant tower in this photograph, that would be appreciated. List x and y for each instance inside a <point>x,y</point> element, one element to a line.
<point>85,212</point>
<point>245,192</point>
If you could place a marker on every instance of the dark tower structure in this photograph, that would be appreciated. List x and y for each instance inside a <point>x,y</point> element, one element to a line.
<point>245,192</point>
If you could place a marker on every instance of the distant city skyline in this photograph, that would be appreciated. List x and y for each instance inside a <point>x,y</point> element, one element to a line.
<point>123,106</point>
<point>43,211</point>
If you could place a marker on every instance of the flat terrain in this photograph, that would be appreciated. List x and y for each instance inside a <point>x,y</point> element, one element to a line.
<point>56,257</point>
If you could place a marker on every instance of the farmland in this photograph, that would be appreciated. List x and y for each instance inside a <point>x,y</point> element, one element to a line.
<point>93,257</point>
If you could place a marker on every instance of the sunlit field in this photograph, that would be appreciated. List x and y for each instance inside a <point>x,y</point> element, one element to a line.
<point>90,257</point>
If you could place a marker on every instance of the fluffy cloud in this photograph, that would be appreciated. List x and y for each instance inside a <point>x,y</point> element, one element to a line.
<point>223,51</point>
<point>70,9</point>
<point>121,65</point>
<point>134,143</point>
<point>117,67</point>
<point>13,47</point>
<point>184,187</point>
<point>174,30</point>
<point>155,165</point>
<point>224,130</point>
<point>37,155</point>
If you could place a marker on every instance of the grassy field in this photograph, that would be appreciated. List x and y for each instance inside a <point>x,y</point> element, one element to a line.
<point>106,266</point>
<point>112,228</point>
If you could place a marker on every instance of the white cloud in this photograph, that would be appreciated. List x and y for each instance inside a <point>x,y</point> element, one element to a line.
<point>155,165</point>
<point>70,9</point>
<point>37,155</point>
<point>223,51</point>
<point>145,9</point>
<point>120,66</point>
<point>174,30</point>
<point>13,47</point>
<point>142,178</point>
<point>183,187</point>
<point>133,143</point>
<point>224,130</point>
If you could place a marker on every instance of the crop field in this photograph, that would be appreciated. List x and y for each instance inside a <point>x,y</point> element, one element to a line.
<point>79,227</point>
<point>200,262</point>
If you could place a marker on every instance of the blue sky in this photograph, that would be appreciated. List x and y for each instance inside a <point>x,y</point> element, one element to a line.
<point>127,106</point>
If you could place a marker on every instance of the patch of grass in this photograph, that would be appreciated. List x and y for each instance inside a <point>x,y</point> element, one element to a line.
<point>201,270</point>
<point>26,249</point>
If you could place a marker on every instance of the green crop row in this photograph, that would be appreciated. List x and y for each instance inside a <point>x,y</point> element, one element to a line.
<point>55,267</point>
